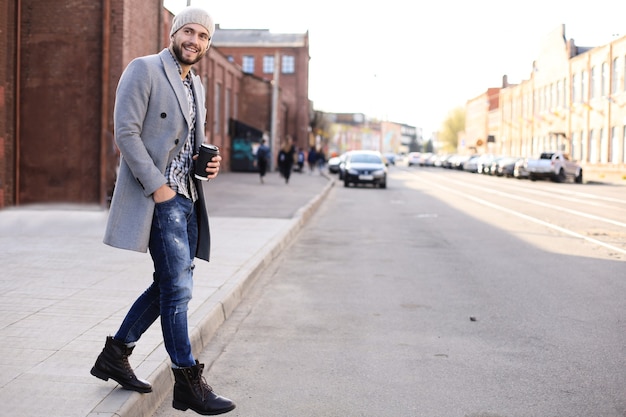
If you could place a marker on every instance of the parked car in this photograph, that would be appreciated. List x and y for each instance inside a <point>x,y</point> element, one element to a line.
<point>334,162</point>
<point>365,167</point>
<point>483,163</point>
<point>471,164</point>
<point>520,171</point>
<point>425,159</point>
<point>504,167</point>
<point>390,158</point>
<point>554,165</point>
<point>456,161</point>
<point>413,158</point>
<point>440,160</point>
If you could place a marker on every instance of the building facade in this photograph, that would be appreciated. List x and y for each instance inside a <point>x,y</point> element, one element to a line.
<point>283,60</point>
<point>57,92</point>
<point>573,101</point>
<point>481,122</point>
<point>355,131</point>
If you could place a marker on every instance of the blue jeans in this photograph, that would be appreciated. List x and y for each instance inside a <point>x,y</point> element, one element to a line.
<point>173,242</point>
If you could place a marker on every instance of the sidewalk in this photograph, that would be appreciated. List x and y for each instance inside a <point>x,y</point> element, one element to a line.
<point>615,176</point>
<point>62,291</point>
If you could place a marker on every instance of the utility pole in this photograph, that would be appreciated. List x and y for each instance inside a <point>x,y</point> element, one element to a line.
<point>274,122</point>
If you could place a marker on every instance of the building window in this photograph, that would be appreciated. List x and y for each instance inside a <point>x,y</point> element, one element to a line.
<point>624,145</point>
<point>613,156</point>
<point>230,58</point>
<point>604,82</point>
<point>592,82</point>
<point>216,109</point>
<point>604,147</point>
<point>248,64</point>
<point>583,146</point>
<point>227,109</point>
<point>624,68</point>
<point>288,64</point>
<point>591,153</point>
<point>615,76</point>
<point>268,64</point>
<point>583,87</point>
<point>574,79</point>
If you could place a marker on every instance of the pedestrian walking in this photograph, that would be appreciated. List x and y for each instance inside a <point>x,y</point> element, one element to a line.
<point>311,159</point>
<point>158,205</point>
<point>300,161</point>
<point>262,158</point>
<point>286,157</point>
<point>321,160</point>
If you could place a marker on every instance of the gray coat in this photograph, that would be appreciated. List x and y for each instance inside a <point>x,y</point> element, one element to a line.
<point>151,125</point>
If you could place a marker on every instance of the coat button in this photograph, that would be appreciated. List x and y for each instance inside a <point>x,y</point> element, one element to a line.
<point>176,142</point>
<point>163,115</point>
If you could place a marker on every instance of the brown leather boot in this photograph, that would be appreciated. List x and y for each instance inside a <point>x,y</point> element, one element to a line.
<point>192,391</point>
<point>113,363</point>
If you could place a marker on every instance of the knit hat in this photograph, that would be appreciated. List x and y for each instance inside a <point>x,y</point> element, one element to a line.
<point>193,15</point>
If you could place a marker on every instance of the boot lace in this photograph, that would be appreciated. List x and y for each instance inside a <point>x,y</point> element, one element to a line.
<point>203,387</point>
<point>126,363</point>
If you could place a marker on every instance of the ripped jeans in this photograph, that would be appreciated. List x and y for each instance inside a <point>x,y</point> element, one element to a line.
<point>173,242</point>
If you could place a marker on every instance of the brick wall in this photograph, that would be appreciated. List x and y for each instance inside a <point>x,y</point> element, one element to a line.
<point>59,107</point>
<point>56,117</point>
<point>7,98</point>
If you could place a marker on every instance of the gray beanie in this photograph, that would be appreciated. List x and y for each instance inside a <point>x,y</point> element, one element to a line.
<point>193,15</point>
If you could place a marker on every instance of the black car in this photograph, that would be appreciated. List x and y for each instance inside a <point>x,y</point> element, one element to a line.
<point>365,167</point>
<point>390,158</point>
<point>506,167</point>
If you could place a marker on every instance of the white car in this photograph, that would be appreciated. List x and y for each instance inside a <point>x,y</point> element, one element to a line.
<point>413,158</point>
<point>334,163</point>
<point>554,165</point>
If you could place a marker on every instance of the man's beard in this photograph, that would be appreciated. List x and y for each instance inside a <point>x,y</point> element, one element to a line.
<point>178,51</point>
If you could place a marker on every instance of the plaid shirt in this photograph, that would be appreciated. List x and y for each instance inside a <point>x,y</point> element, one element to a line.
<point>179,172</point>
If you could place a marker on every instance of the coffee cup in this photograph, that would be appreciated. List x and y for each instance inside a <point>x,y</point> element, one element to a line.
<point>207,152</point>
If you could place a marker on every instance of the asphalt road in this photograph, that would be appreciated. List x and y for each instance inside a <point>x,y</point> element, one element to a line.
<point>447,294</point>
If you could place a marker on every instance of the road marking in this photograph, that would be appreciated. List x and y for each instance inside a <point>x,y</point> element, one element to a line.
<point>536,220</point>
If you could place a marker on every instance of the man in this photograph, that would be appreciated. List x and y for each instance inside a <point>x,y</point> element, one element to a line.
<point>158,205</point>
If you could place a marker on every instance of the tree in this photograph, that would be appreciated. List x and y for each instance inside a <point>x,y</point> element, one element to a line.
<point>450,129</point>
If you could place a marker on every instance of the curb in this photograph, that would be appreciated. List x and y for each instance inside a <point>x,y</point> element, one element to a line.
<point>206,320</point>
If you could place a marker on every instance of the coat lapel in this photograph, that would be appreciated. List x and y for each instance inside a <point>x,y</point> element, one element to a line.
<point>175,81</point>
<point>199,97</point>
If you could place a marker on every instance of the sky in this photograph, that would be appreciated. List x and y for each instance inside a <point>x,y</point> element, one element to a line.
<point>414,62</point>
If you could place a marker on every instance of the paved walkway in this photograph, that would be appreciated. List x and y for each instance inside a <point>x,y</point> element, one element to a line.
<point>62,291</point>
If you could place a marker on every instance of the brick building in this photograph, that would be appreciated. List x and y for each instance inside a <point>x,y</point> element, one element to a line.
<point>482,121</point>
<point>266,55</point>
<point>58,75</point>
<point>58,72</point>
